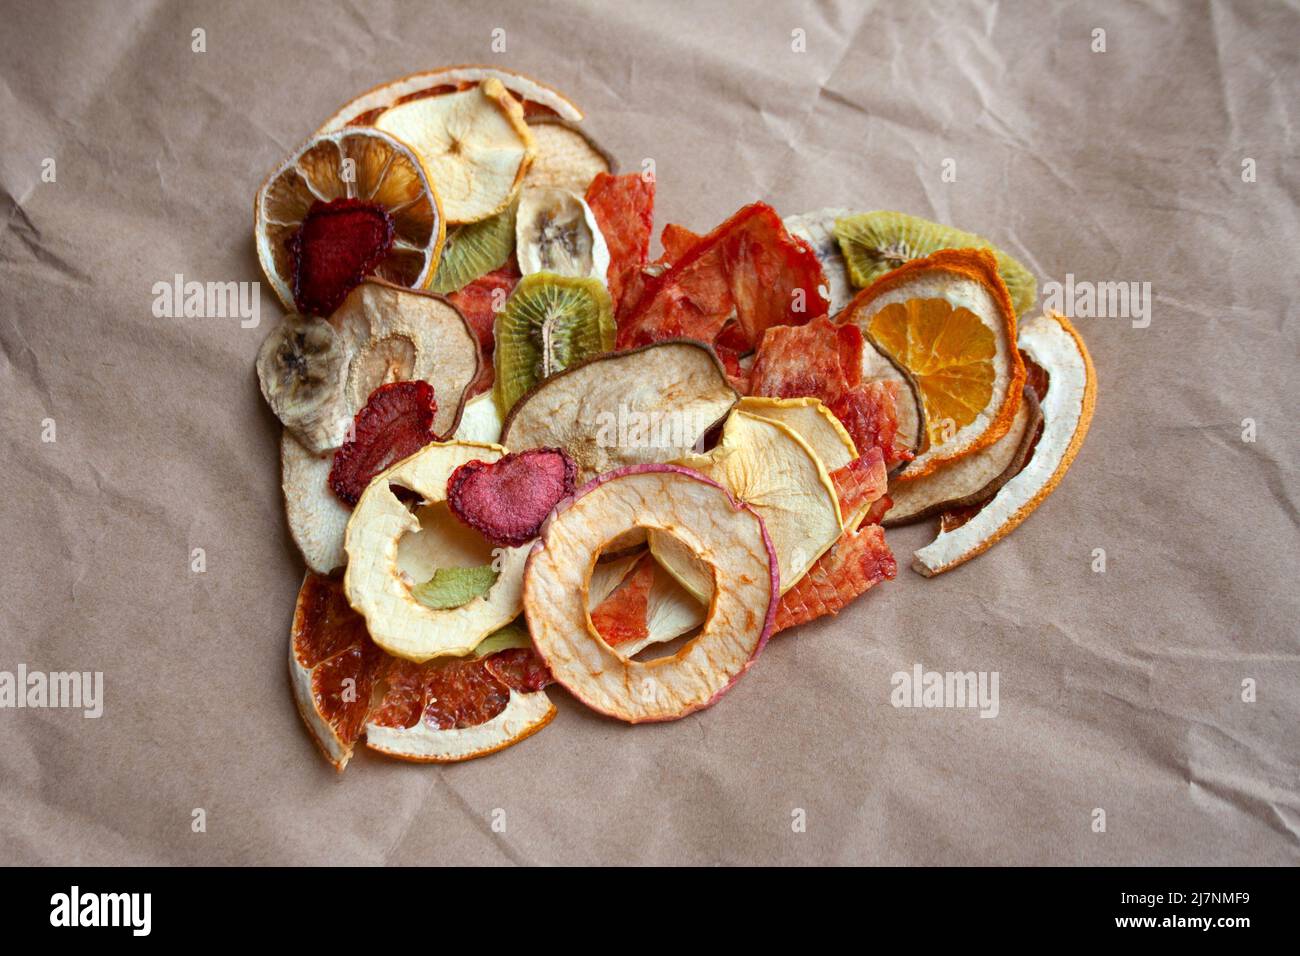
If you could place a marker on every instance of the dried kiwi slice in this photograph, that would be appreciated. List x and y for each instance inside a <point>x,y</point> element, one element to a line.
<point>474,249</point>
<point>548,323</point>
<point>877,242</point>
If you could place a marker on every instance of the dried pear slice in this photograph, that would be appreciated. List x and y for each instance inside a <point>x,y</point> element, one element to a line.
<point>818,229</point>
<point>1051,342</point>
<point>728,535</point>
<point>971,480</point>
<point>765,464</point>
<point>316,517</point>
<point>548,324</point>
<point>649,404</point>
<point>874,243</point>
<point>567,157</point>
<point>556,232</point>
<point>300,368</point>
<point>912,434</point>
<point>474,249</point>
<point>474,144</point>
<point>390,549</point>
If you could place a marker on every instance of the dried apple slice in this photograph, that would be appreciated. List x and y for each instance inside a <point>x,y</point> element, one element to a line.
<point>567,157</point>
<point>1051,342</point>
<point>727,535</point>
<point>971,480</point>
<point>649,404</point>
<point>316,517</point>
<point>810,420</point>
<point>769,467</point>
<point>474,145</point>
<point>481,421</point>
<point>390,548</point>
<point>537,97</point>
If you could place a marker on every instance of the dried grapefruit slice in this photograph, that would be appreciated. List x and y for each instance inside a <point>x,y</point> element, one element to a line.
<point>333,667</point>
<point>369,168</point>
<point>725,534</point>
<point>1053,344</point>
<point>391,548</point>
<point>948,321</point>
<point>474,144</point>
<point>537,97</point>
<point>766,465</point>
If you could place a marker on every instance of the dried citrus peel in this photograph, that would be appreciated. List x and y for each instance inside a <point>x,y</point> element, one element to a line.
<point>1051,342</point>
<point>724,533</point>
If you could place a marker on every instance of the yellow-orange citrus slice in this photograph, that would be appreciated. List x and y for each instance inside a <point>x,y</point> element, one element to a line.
<point>362,164</point>
<point>948,321</point>
<point>1052,343</point>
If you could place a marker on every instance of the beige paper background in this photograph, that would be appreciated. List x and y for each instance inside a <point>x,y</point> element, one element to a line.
<point>1119,691</point>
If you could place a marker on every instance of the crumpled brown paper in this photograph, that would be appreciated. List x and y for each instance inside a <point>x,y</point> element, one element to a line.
<point>128,158</point>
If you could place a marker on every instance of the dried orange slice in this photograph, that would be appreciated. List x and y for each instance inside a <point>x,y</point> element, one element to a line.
<point>948,321</point>
<point>1052,343</point>
<point>356,164</point>
<point>474,144</point>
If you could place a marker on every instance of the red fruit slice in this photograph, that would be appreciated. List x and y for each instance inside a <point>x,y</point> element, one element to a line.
<point>478,301</point>
<point>677,241</point>
<point>870,415</point>
<point>521,669</point>
<point>749,268</point>
<point>859,560</point>
<point>621,617</point>
<point>338,244</point>
<point>334,667</point>
<point>624,210</point>
<point>507,500</point>
<point>821,359</point>
<point>395,423</point>
<point>860,482</point>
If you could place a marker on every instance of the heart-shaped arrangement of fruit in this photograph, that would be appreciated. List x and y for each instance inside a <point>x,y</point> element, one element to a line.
<point>517,452</point>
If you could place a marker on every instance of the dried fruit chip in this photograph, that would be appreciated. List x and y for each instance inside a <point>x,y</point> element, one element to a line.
<point>859,560</point>
<point>714,526</point>
<point>338,244</point>
<point>624,211</point>
<point>451,710</point>
<point>810,420</point>
<point>556,232</point>
<point>452,587</point>
<point>301,368</point>
<point>622,617</point>
<point>482,299</point>
<point>820,359</point>
<point>875,243</point>
<point>474,144</point>
<point>869,413</point>
<point>390,547</point>
<point>769,467</point>
<point>948,321</point>
<point>749,268</point>
<point>549,323</point>
<point>357,166</point>
<point>508,499</point>
<point>860,483</point>
<point>643,405</point>
<point>566,155</point>
<point>818,230</point>
<point>912,434</point>
<point>330,652</point>
<point>481,421</point>
<point>397,421</point>
<point>475,249</point>
<point>677,241</point>
<point>1053,344</point>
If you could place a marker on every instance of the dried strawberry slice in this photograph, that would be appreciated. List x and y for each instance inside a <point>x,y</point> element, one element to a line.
<point>624,210</point>
<point>395,423</point>
<point>507,500</point>
<point>749,268</point>
<point>856,562</point>
<point>621,617</point>
<point>520,668</point>
<point>338,244</point>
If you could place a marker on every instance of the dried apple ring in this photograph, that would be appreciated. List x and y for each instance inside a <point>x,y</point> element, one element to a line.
<point>725,534</point>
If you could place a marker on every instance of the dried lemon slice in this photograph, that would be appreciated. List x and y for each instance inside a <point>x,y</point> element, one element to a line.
<point>474,144</point>
<point>1050,341</point>
<point>359,164</point>
<point>947,320</point>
